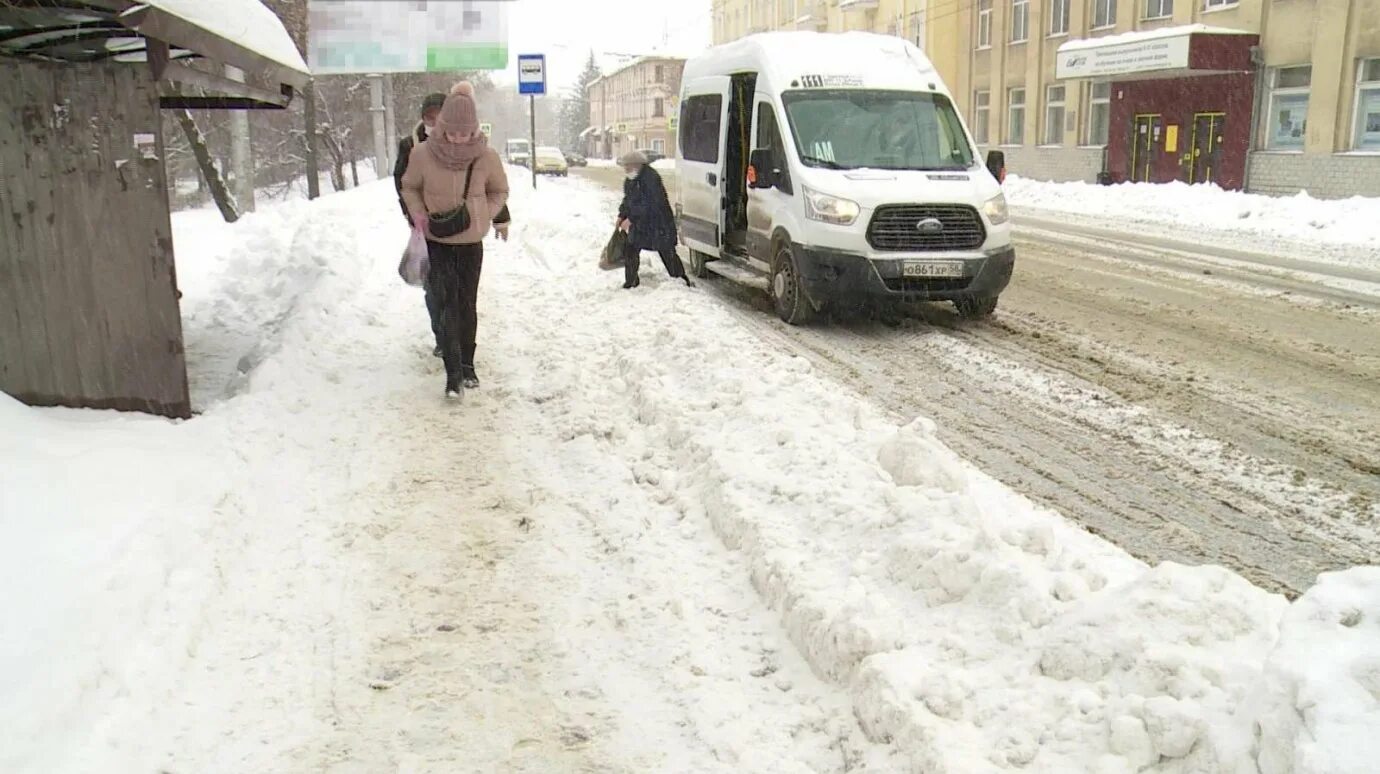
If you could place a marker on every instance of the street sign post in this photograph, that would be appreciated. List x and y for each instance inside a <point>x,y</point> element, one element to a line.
<point>532,81</point>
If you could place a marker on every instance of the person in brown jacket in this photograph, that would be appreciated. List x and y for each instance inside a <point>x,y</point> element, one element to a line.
<point>434,183</point>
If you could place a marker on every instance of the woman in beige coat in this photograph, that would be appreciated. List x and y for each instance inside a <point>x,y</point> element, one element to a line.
<point>438,171</point>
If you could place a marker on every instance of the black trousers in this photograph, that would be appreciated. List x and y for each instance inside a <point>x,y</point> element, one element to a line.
<point>452,288</point>
<point>433,310</point>
<point>632,261</point>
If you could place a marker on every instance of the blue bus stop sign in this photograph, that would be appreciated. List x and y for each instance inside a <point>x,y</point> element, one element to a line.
<point>531,74</point>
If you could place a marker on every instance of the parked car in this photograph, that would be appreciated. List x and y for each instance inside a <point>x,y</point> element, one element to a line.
<point>575,159</point>
<point>550,161</point>
<point>652,155</point>
<point>859,188</point>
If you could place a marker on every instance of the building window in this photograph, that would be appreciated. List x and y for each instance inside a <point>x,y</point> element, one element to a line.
<point>984,24</point>
<point>699,128</point>
<point>1015,116</point>
<point>917,30</point>
<point>1104,14</point>
<point>1209,5</point>
<point>1287,122</point>
<point>658,108</point>
<point>1368,106</point>
<point>658,74</point>
<point>1020,21</point>
<point>1099,113</point>
<point>659,146</point>
<point>982,111</point>
<point>1159,9</point>
<point>1054,115</point>
<point>1059,17</point>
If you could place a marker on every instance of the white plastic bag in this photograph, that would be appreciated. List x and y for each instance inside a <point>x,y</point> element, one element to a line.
<point>415,262</point>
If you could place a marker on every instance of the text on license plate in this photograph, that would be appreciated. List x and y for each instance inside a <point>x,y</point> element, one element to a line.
<point>932,269</point>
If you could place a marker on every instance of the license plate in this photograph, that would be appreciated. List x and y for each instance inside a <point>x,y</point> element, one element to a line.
<point>932,269</point>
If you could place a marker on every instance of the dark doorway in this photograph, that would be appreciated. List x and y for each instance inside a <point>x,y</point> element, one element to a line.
<point>1207,146</point>
<point>1145,136</point>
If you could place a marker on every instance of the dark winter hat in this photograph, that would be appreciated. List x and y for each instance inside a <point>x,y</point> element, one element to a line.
<point>433,101</point>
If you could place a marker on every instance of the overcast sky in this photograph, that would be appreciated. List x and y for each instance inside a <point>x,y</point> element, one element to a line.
<point>566,30</point>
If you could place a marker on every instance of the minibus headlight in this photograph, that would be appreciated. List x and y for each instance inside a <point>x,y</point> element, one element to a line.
<point>995,210</point>
<point>830,209</point>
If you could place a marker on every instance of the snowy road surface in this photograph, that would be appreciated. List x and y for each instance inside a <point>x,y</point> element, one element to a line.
<point>1194,404</point>
<point>660,539</point>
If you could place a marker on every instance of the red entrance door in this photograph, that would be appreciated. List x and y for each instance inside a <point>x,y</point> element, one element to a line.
<point>1207,146</point>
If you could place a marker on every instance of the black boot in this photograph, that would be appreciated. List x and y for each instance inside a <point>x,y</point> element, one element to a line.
<point>455,389</point>
<point>469,378</point>
<point>436,352</point>
<point>632,283</point>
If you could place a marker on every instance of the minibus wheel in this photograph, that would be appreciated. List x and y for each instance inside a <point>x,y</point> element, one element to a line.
<point>787,290</point>
<point>975,308</point>
<point>694,263</point>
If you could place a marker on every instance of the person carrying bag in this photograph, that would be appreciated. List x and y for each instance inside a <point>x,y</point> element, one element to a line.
<point>453,187</point>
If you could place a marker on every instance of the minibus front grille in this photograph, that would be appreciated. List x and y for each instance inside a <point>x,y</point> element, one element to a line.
<point>910,227</point>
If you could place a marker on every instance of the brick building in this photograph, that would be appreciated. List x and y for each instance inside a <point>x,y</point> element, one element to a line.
<point>634,107</point>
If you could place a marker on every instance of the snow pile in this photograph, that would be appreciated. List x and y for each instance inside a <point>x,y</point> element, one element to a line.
<point>106,548</point>
<point>1351,223</point>
<point>1322,706</point>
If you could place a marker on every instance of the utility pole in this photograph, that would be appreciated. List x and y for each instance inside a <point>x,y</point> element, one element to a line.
<point>313,169</point>
<point>390,121</point>
<point>241,153</point>
<point>380,134</point>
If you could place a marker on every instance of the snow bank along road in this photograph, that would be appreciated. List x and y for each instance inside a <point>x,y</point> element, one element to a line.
<point>1190,403</point>
<point>656,541</point>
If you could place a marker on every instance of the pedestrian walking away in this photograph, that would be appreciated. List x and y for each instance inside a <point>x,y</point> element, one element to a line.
<point>453,187</point>
<point>646,217</point>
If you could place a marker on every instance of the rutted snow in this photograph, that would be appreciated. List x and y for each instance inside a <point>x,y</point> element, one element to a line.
<point>1353,225</point>
<point>966,629</point>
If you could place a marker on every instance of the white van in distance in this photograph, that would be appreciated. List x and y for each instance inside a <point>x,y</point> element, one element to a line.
<point>834,170</point>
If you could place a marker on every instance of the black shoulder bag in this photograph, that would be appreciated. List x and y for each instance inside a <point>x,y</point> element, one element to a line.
<point>448,224</point>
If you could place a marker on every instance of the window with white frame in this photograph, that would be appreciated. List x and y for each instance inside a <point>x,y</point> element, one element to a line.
<point>1368,106</point>
<point>1020,21</point>
<point>917,29</point>
<point>1015,116</point>
<point>1099,113</point>
<point>1104,14</point>
<point>984,24</point>
<point>982,113</point>
<point>1211,5</point>
<point>1159,9</point>
<point>1287,120</point>
<point>1059,17</point>
<point>1054,115</point>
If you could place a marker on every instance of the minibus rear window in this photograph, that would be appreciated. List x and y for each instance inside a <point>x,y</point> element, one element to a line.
<point>856,128</point>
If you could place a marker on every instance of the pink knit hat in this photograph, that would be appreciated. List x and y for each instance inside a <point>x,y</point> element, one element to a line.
<point>459,113</point>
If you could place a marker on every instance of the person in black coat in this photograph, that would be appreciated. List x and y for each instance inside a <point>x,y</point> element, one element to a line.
<point>646,216</point>
<point>431,110</point>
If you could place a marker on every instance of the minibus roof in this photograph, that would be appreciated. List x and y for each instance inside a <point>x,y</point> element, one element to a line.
<point>799,60</point>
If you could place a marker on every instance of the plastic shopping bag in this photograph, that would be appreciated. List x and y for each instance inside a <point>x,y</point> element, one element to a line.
<point>415,262</point>
<point>612,258</point>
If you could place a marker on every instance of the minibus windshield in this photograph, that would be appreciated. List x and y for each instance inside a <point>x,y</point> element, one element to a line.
<point>854,129</point>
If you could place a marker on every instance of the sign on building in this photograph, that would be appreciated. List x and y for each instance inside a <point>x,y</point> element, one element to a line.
<point>531,74</point>
<point>367,36</point>
<point>1086,59</point>
<point>486,128</point>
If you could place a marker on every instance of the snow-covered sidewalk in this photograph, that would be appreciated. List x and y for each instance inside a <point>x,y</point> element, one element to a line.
<point>650,543</point>
<point>1345,232</point>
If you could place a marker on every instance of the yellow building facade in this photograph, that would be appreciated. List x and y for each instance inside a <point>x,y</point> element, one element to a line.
<point>1311,114</point>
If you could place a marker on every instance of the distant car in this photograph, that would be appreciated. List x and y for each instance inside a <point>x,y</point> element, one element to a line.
<point>576,160</point>
<point>550,161</point>
<point>652,156</point>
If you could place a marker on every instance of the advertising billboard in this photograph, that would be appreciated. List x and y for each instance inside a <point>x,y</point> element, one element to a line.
<point>406,36</point>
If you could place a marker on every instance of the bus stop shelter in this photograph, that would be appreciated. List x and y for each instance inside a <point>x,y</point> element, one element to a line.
<point>89,313</point>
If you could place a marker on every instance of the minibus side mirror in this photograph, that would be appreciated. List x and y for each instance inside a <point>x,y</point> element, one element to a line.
<point>996,164</point>
<point>762,169</point>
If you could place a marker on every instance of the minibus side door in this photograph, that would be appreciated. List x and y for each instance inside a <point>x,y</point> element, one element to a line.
<point>700,168</point>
